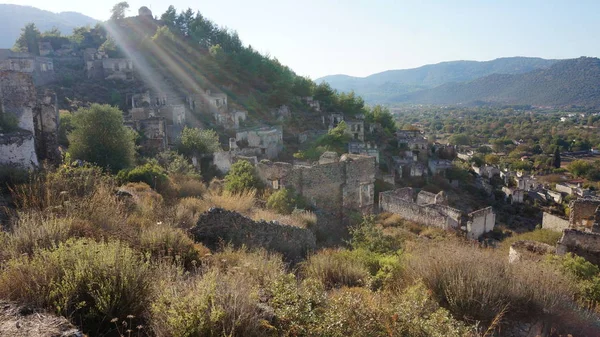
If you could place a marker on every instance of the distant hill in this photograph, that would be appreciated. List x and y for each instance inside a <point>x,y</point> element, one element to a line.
<point>567,82</point>
<point>382,87</point>
<point>14,17</point>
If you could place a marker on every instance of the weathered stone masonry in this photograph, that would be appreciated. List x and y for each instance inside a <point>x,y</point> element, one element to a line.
<point>219,226</point>
<point>335,186</point>
<point>584,244</point>
<point>36,137</point>
<point>402,202</point>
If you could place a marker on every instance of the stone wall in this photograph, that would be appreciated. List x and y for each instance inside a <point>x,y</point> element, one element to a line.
<point>218,226</point>
<point>18,97</point>
<point>347,184</point>
<point>440,216</point>
<point>583,212</point>
<point>402,202</point>
<point>554,223</point>
<point>584,244</point>
<point>18,148</point>
<point>45,120</point>
<point>480,222</point>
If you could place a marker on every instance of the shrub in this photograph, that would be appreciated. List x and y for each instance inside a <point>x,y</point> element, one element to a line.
<point>242,178</point>
<point>33,231</point>
<point>195,142</point>
<point>334,269</point>
<point>188,210</point>
<point>89,281</point>
<point>367,235</point>
<point>52,187</point>
<point>151,174</point>
<point>242,202</point>
<point>100,137</point>
<point>282,201</point>
<point>189,187</point>
<point>221,301</point>
<point>480,285</point>
<point>162,241</point>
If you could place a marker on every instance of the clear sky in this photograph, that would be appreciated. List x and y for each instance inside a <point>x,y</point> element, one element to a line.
<point>362,37</point>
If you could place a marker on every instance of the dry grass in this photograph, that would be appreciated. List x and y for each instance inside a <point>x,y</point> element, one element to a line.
<point>188,210</point>
<point>33,231</point>
<point>302,219</point>
<point>334,270</point>
<point>476,284</point>
<point>165,242</point>
<point>189,187</point>
<point>242,202</point>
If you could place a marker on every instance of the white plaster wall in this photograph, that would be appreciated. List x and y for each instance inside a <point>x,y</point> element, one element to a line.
<point>222,161</point>
<point>20,153</point>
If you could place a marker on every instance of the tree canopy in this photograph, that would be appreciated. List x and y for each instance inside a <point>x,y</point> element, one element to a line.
<point>29,40</point>
<point>241,178</point>
<point>195,142</point>
<point>99,137</point>
<point>118,10</point>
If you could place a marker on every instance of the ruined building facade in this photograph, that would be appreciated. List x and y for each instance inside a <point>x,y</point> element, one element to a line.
<point>432,210</point>
<point>34,135</point>
<point>336,185</point>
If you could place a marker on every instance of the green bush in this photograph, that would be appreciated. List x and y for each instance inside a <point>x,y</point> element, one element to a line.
<point>162,241</point>
<point>242,178</point>
<point>149,173</point>
<point>223,300</point>
<point>89,281</point>
<point>100,137</point>
<point>283,201</point>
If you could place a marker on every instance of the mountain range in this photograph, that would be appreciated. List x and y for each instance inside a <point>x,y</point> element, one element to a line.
<point>14,17</point>
<point>514,80</point>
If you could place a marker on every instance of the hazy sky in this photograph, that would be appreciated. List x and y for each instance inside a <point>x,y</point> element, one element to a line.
<point>362,37</point>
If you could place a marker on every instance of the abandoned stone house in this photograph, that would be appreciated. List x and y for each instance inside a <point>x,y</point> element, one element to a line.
<point>269,140</point>
<point>486,171</point>
<point>281,113</point>
<point>313,103</point>
<point>251,145</point>
<point>310,135</point>
<point>439,166</point>
<point>573,189</point>
<point>231,119</point>
<point>584,244</point>
<point>407,166</point>
<point>154,132</point>
<point>34,138</point>
<point>335,185</point>
<point>355,127</point>
<point>158,116</point>
<point>513,195</point>
<point>40,68</point>
<point>100,66</point>
<point>412,140</point>
<point>364,148</point>
<point>431,210</point>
